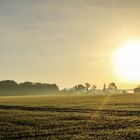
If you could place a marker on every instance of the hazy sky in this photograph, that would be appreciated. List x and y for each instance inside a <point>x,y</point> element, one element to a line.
<point>65,41</point>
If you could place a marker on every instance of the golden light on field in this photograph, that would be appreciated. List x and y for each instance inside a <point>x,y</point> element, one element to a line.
<point>127,61</point>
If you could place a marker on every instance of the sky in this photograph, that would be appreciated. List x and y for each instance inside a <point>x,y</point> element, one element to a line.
<point>66,42</point>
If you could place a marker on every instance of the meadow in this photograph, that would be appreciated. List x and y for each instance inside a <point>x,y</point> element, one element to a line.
<point>70,117</point>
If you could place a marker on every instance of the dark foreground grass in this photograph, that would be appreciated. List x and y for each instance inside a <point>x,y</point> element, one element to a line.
<point>79,117</point>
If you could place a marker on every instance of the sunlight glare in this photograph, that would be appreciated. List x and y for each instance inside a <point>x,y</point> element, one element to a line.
<point>127,61</point>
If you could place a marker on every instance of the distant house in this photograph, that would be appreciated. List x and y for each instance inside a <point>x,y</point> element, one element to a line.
<point>137,90</point>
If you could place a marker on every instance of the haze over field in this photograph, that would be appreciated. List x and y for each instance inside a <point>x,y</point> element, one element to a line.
<point>70,41</point>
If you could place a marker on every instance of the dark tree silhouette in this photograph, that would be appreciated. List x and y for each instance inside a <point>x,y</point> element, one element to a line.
<point>11,87</point>
<point>112,87</point>
<point>137,89</point>
<point>104,88</point>
<point>79,88</point>
<point>93,88</point>
<point>87,86</point>
<point>6,84</point>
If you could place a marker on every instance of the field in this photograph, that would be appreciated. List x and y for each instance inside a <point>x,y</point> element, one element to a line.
<point>70,117</point>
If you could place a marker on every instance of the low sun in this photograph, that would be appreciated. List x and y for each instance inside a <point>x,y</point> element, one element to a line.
<point>127,61</point>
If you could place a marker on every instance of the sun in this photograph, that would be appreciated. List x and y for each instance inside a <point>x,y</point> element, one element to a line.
<point>127,61</point>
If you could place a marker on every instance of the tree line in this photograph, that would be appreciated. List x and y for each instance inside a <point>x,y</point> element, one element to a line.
<point>88,88</point>
<point>12,87</point>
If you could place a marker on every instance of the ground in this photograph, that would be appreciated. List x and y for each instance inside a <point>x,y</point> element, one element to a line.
<point>70,117</point>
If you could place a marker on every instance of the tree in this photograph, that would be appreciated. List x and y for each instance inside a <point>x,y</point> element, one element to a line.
<point>87,86</point>
<point>93,88</point>
<point>6,84</point>
<point>38,86</point>
<point>137,89</point>
<point>26,85</point>
<point>112,87</point>
<point>104,88</point>
<point>80,88</point>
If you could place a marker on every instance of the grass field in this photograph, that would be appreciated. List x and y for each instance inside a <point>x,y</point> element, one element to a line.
<point>70,117</point>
